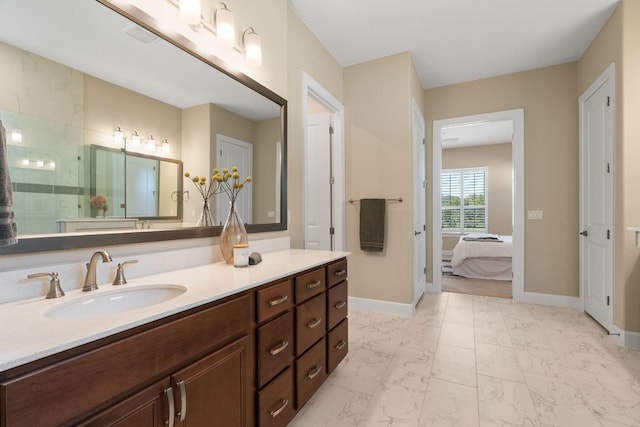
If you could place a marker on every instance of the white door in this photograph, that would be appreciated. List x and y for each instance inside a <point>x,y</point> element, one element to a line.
<point>317,177</point>
<point>596,200</point>
<point>419,208</point>
<point>141,199</point>
<point>234,152</point>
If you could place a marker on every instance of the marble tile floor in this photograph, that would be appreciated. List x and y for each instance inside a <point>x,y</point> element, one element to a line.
<point>466,360</point>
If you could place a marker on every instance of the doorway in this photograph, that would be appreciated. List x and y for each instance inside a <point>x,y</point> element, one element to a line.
<point>515,119</point>
<point>234,152</point>
<point>324,176</point>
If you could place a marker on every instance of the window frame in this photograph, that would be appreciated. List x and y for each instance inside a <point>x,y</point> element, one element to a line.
<point>461,208</point>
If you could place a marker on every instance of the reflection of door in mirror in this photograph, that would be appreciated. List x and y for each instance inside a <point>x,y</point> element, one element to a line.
<point>107,178</point>
<point>234,152</point>
<point>142,187</point>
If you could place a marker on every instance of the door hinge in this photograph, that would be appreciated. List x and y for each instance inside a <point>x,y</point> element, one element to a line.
<point>424,270</point>
<point>608,167</point>
<point>331,130</point>
<point>332,180</point>
<point>332,230</point>
<point>608,101</point>
<point>424,141</point>
<point>424,227</point>
<point>608,234</point>
<point>424,184</point>
<point>608,300</point>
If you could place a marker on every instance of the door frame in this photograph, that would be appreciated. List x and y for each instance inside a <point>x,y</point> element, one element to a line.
<point>221,210</point>
<point>608,74</point>
<point>313,89</point>
<point>517,116</point>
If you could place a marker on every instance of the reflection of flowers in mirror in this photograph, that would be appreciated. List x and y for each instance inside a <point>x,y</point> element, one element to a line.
<point>224,181</point>
<point>99,202</point>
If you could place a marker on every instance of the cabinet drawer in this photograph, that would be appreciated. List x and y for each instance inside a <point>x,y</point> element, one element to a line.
<point>337,305</point>
<point>336,272</point>
<point>113,371</point>
<point>337,345</point>
<point>275,347</point>
<point>275,401</point>
<point>274,300</point>
<point>311,372</point>
<point>310,323</point>
<point>310,284</point>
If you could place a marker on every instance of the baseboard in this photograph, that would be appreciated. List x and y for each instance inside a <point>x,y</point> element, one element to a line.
<point>625,338</point>
<point>382,306</point>
<point>548,299</point>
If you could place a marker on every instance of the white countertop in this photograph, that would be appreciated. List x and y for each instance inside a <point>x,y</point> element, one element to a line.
<point>27,335</point>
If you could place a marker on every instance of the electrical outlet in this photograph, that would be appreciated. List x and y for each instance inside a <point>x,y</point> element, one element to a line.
<point>535,215</point>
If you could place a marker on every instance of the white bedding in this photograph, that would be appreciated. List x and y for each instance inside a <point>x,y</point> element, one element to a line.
<point>483,260</point>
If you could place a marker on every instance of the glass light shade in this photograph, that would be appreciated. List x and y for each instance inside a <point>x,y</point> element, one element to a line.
<point>16,135</point>
<point>190,12</point>
<point>225,29</point>
<point>165,146</point>
<point>51,164</point>
<point>253,49</point>
<point>25,162</point>
<point>40,163</point>
<point>135,139</point>
<point>151,143</point>
<point>118,136</point>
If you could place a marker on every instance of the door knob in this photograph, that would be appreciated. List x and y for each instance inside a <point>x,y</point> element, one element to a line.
<point>585,233</point>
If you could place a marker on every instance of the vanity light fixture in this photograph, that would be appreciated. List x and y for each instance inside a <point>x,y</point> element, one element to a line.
<point>40,163</point>
<point>118,136</point>
<point>252,46</point>
<point>190,11</point>
<point>165,146</point>
<point>25,162</point>
<point>151,143</point>
<point>135,139</point>
<point>225,29</point>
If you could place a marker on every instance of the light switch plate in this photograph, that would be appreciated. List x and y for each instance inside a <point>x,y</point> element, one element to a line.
<point>534,215</point>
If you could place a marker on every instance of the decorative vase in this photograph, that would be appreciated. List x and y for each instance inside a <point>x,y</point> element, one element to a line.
<point>233,233</point>
<point>205,220</point>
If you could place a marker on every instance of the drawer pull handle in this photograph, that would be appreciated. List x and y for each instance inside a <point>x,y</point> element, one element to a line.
<point>340,273</point>
<point>314,284</point>
<point>277,412</point>
<point>183,401</point>
<point>311,375</point>
<point>340,304</point>
<point>315,322</point>
<point>279,348</point>
<point>277,301</point>
<point>168,393</point>
<point>341,344</point>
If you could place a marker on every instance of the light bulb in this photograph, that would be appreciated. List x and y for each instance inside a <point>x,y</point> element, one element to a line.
<point>151,143</point>
<point>118,136</point>
<point>135,139</point>
<point>253,48</point>
<point>225,29</point>
<point>190,11</point>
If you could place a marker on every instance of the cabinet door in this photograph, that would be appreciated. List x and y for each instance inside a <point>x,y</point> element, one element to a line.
<point>148,408</point>
<point>216,390</point>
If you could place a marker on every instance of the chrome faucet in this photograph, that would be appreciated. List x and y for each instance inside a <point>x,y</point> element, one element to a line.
<point>90,279</point>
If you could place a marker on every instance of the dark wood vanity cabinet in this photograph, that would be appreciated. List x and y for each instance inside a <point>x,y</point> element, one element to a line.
<point>251,359</point>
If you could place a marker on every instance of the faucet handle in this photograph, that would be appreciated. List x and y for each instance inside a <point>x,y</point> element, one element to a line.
<point>55,291</point>
<point>120,279</point>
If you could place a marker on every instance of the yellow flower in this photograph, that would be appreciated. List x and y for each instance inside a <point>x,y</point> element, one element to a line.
<point>187,174</point>
<point>216,171</point>
<point>195,179</point>
<point>225,171</point>
<point>236,175</point>
<point>248,179</point>
<point>234,169</point>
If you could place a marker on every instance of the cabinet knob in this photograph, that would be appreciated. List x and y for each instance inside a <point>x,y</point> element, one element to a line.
<point>340,273</point>
<point>315,322</point>
<point>314,284</point>
<point>279,348</point>
<point>168,394</point>
<point>341,344</point>
<point>340,304</point>
<point>314,372</point>
<point>277,301</point>
<point>277,412</point>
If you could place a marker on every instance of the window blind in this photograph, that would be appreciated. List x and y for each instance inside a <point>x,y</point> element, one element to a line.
<point>463,193</point>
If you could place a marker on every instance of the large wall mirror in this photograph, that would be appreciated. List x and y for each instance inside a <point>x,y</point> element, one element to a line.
<point>103,117</point>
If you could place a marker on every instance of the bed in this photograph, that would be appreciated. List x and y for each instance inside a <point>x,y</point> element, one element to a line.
<point>483,257</point>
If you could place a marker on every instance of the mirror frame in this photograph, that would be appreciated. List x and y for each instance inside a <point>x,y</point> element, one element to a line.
<point>67,242</point>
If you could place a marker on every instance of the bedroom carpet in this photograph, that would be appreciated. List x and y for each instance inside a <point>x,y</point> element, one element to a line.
<point>488,288</point>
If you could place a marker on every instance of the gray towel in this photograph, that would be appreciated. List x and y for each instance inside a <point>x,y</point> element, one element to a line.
<point>372,212</point>
<point>8,227</point>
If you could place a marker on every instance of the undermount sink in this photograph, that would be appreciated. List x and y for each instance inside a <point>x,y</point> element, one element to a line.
<point>116,301</point>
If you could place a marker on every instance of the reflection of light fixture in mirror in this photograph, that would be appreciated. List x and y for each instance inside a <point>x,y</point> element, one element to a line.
<point>252,46</point>
<point>165,146</point>
<point>151,143</point>
<point>135,139</point>
<point>225,29</point>
<point>190,11</point>
<point>16,135</point>
<point>51,165</point>
<point>25,162</point>
<point>40,163</point>
<point>118,136</point>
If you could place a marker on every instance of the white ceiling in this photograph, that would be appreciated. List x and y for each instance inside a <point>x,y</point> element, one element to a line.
<point>453,41</point>
<point>474,134</point>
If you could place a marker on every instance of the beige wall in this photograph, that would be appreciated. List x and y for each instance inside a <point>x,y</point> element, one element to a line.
<point>306,54</point>
<point>497,158</point>
<point>548,96</point>
<point>619,42</point>
<point>378,157</point>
